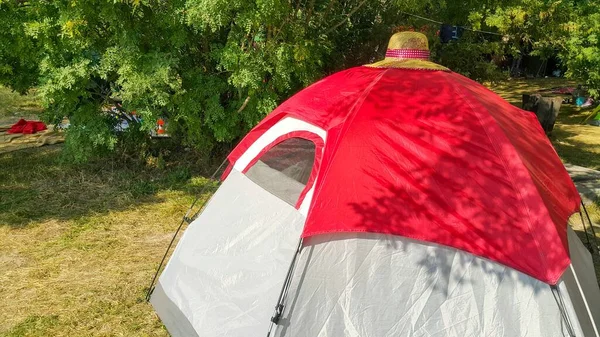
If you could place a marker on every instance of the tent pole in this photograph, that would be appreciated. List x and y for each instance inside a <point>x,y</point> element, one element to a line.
<point>587,235</point>
<point>591,226</point>
<point>561,307</point>
<point>187,220</point>
<point>284,290</point>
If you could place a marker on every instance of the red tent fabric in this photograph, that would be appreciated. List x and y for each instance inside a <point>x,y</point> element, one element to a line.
<point>442,160</point>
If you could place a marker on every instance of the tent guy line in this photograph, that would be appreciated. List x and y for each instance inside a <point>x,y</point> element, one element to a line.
<point>185,219</point>
<point>463,27</point>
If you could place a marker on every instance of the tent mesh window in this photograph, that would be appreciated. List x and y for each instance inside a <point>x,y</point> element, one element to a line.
<point>285,168</point>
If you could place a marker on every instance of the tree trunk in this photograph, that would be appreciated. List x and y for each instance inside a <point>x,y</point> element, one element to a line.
<point>546,109</point>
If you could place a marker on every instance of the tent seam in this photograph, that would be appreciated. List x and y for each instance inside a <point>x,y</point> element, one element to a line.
<point>509,172</point>
<point>346,122</point>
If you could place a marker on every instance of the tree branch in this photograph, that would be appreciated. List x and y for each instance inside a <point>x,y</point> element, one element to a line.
<point>347,16</point>
<point>311,6</point>
<point>329,7</point>
<point>244,104</point>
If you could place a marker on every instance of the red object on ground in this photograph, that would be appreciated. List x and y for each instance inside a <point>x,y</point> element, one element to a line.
<point>441,159</point>
<point>564,90</point>
<point>27,127</point>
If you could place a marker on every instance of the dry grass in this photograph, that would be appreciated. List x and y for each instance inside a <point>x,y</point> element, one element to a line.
<point>578,144</point>
<point>78,245</point>
<point>14,106</point>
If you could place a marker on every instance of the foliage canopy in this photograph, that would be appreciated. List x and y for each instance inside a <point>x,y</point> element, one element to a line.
<point>214,68</point>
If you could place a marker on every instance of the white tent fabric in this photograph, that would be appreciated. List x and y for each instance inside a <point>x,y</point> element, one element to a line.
<point>582,286</point>
<point>379,285</point>
<point>226,274</point>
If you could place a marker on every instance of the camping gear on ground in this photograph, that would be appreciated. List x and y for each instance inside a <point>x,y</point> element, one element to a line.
<point>546,109</point>
<point>27,127</point>
<point>588,102</point>
<point>392,199</point>
<point>563,90</point>
<point>580,96</point>
<point>123,118</point>
<point>160,130</point>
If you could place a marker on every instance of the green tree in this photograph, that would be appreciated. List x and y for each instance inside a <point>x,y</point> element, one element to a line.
<point>567,28</point>
<point>580,47</point>
<point>214,68</point>
<point>19,58</point>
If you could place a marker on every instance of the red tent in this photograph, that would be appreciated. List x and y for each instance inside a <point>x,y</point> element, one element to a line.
<point>393,199</point>
<point>434,156</point>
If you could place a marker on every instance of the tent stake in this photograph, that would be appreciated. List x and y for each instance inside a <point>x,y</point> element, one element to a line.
<point>187,220</point>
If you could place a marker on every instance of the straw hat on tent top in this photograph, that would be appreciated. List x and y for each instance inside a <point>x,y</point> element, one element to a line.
<point>408,50</point>
<point>393,199</point>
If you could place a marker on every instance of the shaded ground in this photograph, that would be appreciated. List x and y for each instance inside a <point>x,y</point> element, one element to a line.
<point>78,245</point>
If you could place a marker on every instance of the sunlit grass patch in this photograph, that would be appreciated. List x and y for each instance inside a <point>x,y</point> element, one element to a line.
<point>79,244</point>
<point>575,143</point>
<point>14,105</point>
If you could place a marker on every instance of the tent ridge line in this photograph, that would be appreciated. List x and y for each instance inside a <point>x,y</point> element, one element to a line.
<point>461,92</point>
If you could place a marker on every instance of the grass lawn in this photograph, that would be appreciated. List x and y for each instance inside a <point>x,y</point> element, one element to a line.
<point>14,106</point>
<point>78,245</point>
<point>575,143</point>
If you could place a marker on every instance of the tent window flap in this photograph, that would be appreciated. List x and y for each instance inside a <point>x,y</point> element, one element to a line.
<point>285,168</point>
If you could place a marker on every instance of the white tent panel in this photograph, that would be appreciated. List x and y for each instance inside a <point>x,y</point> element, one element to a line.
<point>227,271</point>
<point>362,284</point>
<point>582,286</point>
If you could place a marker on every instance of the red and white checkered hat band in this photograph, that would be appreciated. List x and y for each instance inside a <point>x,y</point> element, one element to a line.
<point>408,54</point>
